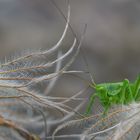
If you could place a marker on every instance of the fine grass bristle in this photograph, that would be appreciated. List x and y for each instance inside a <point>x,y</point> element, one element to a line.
<point>25,108</point>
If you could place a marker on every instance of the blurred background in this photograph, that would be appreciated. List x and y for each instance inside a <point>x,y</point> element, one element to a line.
<point>111,44</point>
<point>112,39</point>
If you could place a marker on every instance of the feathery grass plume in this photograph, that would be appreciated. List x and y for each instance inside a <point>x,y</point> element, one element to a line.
<point>122,122</point>
<point>5,124</point>
<point>22,104</point>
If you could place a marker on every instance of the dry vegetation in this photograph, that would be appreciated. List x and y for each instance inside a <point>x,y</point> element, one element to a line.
<point>24,110</point>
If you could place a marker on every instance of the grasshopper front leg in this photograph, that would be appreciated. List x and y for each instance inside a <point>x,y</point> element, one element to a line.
<point>136,89</point>
<point>126,94</point>
<point>89,107</point>
<point>123,91</point>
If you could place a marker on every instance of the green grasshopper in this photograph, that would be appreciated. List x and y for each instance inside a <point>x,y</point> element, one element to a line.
<point>119,93</point>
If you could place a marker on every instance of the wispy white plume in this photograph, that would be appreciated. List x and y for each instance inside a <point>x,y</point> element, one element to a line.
<point>122,122</point>
<point>21,102</point>
<point>53,81</point>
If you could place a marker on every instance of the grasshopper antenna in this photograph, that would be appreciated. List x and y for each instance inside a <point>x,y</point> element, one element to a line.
<point>74,34</point>
<point>86,63</point>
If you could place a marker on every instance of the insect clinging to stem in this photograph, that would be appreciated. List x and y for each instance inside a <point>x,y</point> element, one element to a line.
<point>112,93</point>
<point>109,94</point>
<point>119,93</point>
